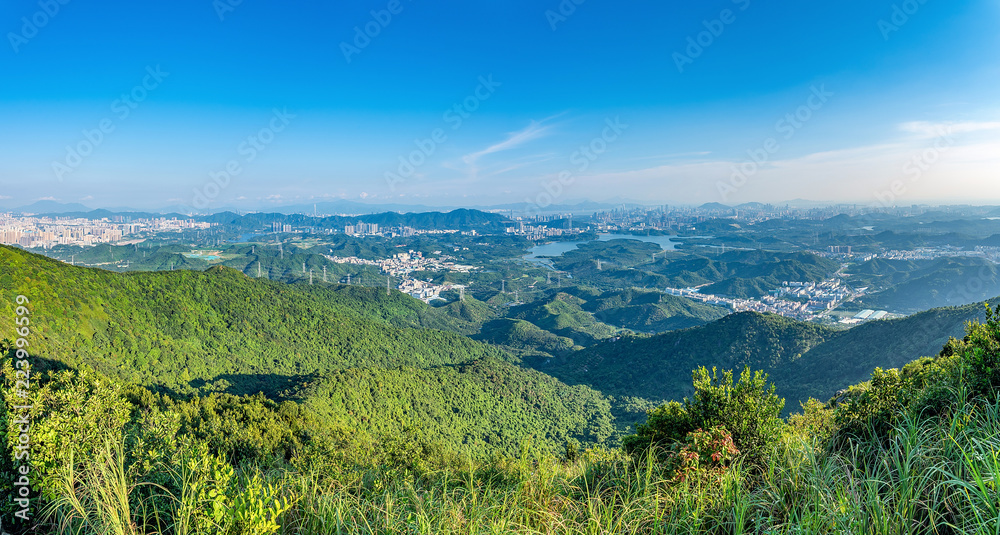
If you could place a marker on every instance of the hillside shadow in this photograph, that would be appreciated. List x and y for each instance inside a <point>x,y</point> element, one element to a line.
<point>273,386</point>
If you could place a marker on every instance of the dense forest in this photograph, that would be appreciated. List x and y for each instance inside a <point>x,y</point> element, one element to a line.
<point>804,360</point>
<point>194,333</point>
<point>210,402</point>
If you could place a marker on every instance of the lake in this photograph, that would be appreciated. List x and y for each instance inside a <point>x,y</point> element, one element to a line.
<point>536,253</point>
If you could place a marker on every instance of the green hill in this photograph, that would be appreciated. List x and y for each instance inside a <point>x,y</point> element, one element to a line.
<point>520,334</point>
<point>482,406</point>
<point>804,360</point>
<point>187,332</point>
<point>653,312</point>
<point>659,367</point>
<point>948,282</point>
<point>563,315</point>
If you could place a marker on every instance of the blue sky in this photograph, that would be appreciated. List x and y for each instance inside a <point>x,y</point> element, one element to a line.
<point>896,102</point>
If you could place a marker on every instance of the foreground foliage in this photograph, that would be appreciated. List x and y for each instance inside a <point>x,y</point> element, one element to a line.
<point>912,451</point>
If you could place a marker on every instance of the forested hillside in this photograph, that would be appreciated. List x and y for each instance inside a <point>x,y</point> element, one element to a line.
<point>658,367</point>
<point>804,360</point>
<point>188,332</point>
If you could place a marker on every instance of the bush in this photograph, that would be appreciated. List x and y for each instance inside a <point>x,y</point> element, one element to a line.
<point>747,408</point>
<point>703,456</point>
<point>815,421</point>
<point>964,369</point>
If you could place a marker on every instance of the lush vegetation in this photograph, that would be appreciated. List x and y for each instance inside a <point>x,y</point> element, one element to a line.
<point>210,402</point>
<point>911,451</point>
<point>740,273</point>
<point>944,282</point>
<point>187,333</point>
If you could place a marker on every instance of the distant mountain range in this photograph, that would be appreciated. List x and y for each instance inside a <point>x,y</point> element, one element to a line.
<point>340,207</point>
<point>347,207</point>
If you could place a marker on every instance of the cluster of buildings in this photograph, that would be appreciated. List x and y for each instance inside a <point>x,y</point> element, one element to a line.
<point>426,291</point>
<point>47,232</point>
<point>791,309</point>
<point>931,253</point>
<point>362,229</point>
<point>825,295</point>
<point>402,264</point>
<point>811,299</point>
<point>990,253</point>
<point>539,232</point>
<point>865,315</point>
<point>374,229</point>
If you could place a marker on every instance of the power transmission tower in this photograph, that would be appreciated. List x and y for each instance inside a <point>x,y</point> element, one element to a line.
<point>503,286</point>
<point>258,270</point>
<point>387,285</point>
<point>461,294</point>
<point>324,273</point>
<point>348,279</point>
<point>310,277</point>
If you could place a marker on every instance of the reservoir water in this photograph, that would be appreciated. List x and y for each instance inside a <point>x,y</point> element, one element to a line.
<point>536,253</point>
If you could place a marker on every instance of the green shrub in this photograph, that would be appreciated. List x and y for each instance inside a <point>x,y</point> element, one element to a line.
<point>816,420</point>
<point>748,408</point>
<point>967,369</point>
<point>704,455</point>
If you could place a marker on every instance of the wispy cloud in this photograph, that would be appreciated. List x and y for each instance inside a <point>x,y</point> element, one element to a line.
<point>531,160</point>
<point>929,129</point>
<point>534,130</point>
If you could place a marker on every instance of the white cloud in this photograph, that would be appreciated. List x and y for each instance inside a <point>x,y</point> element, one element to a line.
<point>963,169</point>
<point>928,129</point>
<point>534,130</point>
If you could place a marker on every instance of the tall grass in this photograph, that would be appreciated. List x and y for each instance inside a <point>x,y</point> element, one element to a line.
<point>935,475</point>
